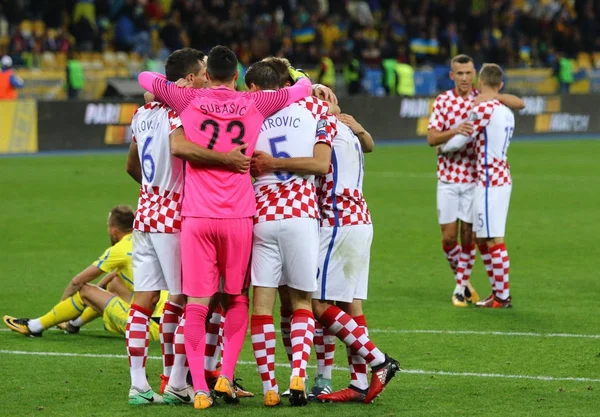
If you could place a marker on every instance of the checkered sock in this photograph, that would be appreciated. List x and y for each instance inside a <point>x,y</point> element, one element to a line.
<point>466,261</point>
<point>178,378</point>
<point>303,331</point>
<point>263,345</point>
<point>168,325</point>
<point>452,255</point>
<point>358,366</point>
<point>501,265</point>
<point>137,336</point>
<point>324,344</point>
<point>221,327</point>
<point>195,343</point>
<point>284,324</point>
<point>213,347</point>
<point>234,333</point>
<point>486,257</point>
<point>353,335</point>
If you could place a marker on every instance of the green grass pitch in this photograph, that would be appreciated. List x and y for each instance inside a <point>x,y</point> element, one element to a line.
<point>544,359</point>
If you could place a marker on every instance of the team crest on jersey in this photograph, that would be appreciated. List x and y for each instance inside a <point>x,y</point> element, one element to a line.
<point>321,127</point>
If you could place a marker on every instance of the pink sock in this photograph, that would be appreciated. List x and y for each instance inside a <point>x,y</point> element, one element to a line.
<point>234,333</point>
<point>195,343</point>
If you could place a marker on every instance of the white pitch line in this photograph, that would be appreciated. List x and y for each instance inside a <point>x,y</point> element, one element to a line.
<point>448,332</point>
<point>336,368</point>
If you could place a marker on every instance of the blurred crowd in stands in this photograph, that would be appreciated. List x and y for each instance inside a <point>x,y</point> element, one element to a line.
<point>356,33</point>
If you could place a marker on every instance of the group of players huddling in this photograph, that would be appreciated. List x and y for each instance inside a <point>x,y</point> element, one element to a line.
<point>304,216</point>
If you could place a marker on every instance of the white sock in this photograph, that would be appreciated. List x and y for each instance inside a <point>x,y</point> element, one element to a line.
<point>35,326</point>
<point>77,322</point>
<point>459,289</point>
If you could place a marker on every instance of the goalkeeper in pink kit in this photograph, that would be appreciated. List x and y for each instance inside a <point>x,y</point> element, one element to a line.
<point>218,205</point>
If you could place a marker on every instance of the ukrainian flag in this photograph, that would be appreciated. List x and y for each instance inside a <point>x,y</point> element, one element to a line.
<point>304,35</point>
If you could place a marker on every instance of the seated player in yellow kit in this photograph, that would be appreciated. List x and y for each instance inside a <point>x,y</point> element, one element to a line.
<point>116,261</point>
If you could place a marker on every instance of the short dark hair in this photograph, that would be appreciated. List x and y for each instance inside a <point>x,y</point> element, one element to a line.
<point>491,75</point>
<point>281,65</point>
<point>461,59</point>
<point>183,62</point>
<point>222,64</point>
<point>121,217</point>
<point>264,75</point>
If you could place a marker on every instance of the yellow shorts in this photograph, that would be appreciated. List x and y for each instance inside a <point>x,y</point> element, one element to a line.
<point>115,317</point>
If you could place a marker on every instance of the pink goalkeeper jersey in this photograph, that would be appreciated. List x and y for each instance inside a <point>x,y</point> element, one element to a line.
<point>221,119</point>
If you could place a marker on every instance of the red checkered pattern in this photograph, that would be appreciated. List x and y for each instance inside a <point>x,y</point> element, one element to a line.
<point>466,261</point>
<point>501,267</point>
<point>449,111</point>
<point>158,212</point>
<point>303,331</point>
<point>284,324</point>
<point>180,366</point>
<point>137,337</point>
<point>213,347</point>
<point>174,120</point>
<point>349,205</point>
<point>315,106</point>
<point>264,340</point>
<point>497,169</point>
<point>294,199</point>
<point>324,343</point>
<point>452,254</point>
<point>357,364</point>
<point>168,325</point>
<point>353,335</point>
<point>486,257</point>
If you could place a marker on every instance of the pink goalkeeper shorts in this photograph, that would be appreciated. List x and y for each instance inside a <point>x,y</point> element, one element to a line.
<point>211,248</point>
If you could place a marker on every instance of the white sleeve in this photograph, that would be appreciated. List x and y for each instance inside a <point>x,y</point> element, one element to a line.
<point>455,143</point>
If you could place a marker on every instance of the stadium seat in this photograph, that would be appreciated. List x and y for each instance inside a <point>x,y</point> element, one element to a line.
<point>48,61</point>
<point>584,61</point>
<point>596,58</point>
<point>110,59</point>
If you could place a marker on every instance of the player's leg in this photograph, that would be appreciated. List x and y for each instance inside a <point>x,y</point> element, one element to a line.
<point>266,277</point>
<point>167,247</point>
<point>234,252</point>
<point>212,354</point>
<point>324,346</point>
<point>285,315</point>
<point>494,213</point>
<point>447,208</point>
<point>200,282</point>
<point>337,283</point>
<point>468,250</point>
<point>66,310</point>
<point>148,281</point>
<point>299,242</point>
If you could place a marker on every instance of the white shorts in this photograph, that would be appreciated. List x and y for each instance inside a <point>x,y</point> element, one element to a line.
<point>156,262</point>
<point>490,211</point>
<point>454,201</point>
<point>286,252</point>
<point>344,263</point>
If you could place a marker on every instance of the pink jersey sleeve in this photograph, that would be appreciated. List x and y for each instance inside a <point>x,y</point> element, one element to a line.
<point>326,129</point>
<point>165,91</point>
<point>269,102</point>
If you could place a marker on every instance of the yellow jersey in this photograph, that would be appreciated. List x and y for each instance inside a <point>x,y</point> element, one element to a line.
<point>118,257</point>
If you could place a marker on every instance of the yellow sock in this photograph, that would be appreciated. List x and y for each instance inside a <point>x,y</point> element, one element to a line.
<point>66,310</point>
<point>88,315</point>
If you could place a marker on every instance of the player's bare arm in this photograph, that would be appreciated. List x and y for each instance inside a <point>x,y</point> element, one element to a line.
<point>366,140</point>
<point>87,275</point>
<point>234,160</point>
<point>107,279</point>
<point>436,137</point>
<point>509,100</point>
<point>133,167</point>
<point>318,164</point>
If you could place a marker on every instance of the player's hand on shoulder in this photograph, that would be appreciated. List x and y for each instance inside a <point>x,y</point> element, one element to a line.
<point>237,161</point>
<point>262,163</point>
<point>482,98</point>
<point>351,122</point>
<point>183,83</point>
<point>296,74</point>
<point>324,93</point>
<point>465,128</point>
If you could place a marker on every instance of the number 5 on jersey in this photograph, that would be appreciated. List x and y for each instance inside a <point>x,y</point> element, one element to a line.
<point>279,154</point>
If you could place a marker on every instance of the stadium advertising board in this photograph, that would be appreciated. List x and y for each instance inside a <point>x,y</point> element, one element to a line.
<point>85,125</point>
<point>18,126</point>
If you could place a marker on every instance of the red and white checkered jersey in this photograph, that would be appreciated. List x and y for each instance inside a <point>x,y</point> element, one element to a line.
<point>291,133</point>
<point>159,205</point>
<point>494,124</point>
<point>340,194</point>
<point>449,111</point>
